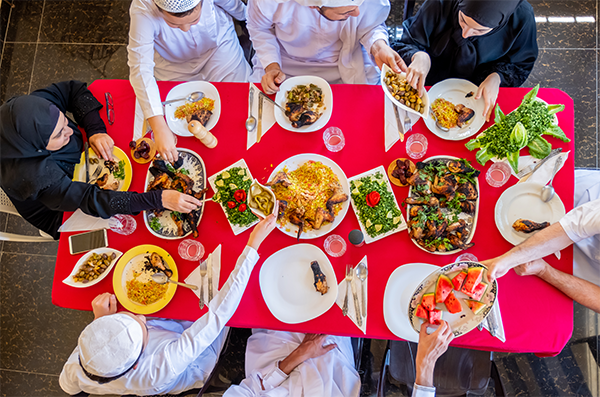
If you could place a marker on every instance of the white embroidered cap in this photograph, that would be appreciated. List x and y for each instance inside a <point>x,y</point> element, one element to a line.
<point>110,345</point>
<point>176,5</point>
<point>326,3</point>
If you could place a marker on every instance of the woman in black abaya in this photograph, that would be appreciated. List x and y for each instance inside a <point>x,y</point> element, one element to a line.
<point>490,43</point>
<point>39,148</point>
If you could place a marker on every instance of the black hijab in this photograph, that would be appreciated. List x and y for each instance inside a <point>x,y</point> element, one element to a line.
<point>26,166</point>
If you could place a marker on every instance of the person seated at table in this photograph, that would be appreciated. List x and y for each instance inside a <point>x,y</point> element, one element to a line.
<point>490,43</point>
<point>283,364</point>
<point>122,353</point>
<point>181,40</point>
<point>580,226</point>
<point>39,148</point>
<point>333,39</point>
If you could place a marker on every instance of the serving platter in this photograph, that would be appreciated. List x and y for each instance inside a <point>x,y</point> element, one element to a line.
<point>118,155</point>
<point>424,98</point>
<point>69,280</point>
<point>180,126</point>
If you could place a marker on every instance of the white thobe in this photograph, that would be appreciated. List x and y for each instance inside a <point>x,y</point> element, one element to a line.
<point>303,42</point>
<point>209,51</point>
<point>179,355</point>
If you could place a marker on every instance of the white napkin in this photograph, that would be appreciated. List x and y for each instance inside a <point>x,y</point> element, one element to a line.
<point>214,265</point>
<point>80,221</point>
<point>268,117</point>
<point>351,308</point>
<point>543,174</point>
<point>392,128</point>
<point>498,319</point>
<point>139,123</point>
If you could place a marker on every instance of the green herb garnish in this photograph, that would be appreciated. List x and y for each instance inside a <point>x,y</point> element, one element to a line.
<point>227,183</point>
<point>120,171</point>
<point>155,224</point>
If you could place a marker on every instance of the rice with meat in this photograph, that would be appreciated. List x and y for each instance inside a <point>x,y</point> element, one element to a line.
<point>190,108</point>
<point>444,112</point>
<point>140,287</point>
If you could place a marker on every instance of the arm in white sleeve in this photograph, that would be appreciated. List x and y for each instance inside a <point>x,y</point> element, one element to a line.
<point>582,222</point>
<point>68,375</point>
<point>379,32</point>
<point>140,54</point>
<point>262,32</point>
<point>423,391</point>
<point>235,8</point>
<point>252,387</point>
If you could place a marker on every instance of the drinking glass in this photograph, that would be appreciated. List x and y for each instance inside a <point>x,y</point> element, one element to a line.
<point>334,139</point>
<point>498,174</point>
<point>122,224</point>
<point>335,245</point>
<point>190,250</point>
<point>416,146</point>
<point>466,257</point>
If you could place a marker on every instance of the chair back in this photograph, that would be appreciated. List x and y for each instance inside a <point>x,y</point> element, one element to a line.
<point>6,205</point>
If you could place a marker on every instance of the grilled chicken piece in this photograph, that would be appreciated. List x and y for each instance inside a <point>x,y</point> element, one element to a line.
<point>158,263</point>
<point>202,115</point>
<point>307,118</point>
<point>102,180</point>
<point>468,207</point>
<point>293,111</point>
<point>337,196</point>
<point>415,231</point>
<point>458,242</point>
<point>414,211</point>
<point>418,179</point>
<point>458,167</point>
<point>182,182</point>
<point>444,185</point>
<point>459,226</point>
<point>111,165</point>
<point>320,279</point>
<point>160,182</point>
<point>527,226</point>
<point>464,114</point>
<point>178,163</point>
<point>468,190</point>
<point>322,216</point>
<point>431,201</point>
<point>281,210</point>
<point>200,193</point>
<point>296,217</point>
<point>162,167</point>
<point>112,186</point>
<point>178,223</point>
<point>280,177</point>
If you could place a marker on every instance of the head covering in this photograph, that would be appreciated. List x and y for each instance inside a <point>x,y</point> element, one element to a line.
<point>110,345</point>
<point>491,14</point>
<point>326,3</point>
<point>176,6</point>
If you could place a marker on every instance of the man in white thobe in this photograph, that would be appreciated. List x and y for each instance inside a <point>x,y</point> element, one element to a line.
<point>121,353</point>
<point>181,40</point>
<point>282,364</point>
<point>341,41</point>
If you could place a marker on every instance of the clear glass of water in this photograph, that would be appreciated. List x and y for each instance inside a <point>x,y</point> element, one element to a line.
<point>466,257</point>
<point>122,224</point>
<point>334,139</point>
<point>498,174</point>
<point>335,245</point>
<point>416,146</point>
<point>190,250</point>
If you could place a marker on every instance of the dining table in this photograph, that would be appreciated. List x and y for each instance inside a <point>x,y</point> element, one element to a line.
<point>537,317</point>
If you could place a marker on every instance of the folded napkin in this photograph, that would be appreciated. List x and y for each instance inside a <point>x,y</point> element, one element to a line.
<point>392,129</point>
<point>80,221</point>
<point>494,319</point>
<point>213,262</point>
<point>268,116</point>
<point>351,308</point>
<point>140,126</point>
<point>543,174</point>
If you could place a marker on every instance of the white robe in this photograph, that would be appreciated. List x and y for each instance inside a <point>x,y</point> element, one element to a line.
<point>180,354</point>
<point>209,51</point>
<point>303,42</point>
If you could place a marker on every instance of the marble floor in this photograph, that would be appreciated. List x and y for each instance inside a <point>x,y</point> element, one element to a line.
<point>43,41</point>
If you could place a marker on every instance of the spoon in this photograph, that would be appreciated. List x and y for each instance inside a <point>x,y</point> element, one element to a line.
<point>161,278</point>
<point>251,121</point>
<point>361,273</point>
<point>548,190</point>
<point>193,97</point>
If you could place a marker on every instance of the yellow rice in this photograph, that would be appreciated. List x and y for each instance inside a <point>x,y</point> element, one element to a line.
<point>444,112</point>
<point>192,107</point>
<point>145,293</point>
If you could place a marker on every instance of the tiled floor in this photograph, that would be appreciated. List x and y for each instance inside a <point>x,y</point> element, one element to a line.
<point>44,41</point>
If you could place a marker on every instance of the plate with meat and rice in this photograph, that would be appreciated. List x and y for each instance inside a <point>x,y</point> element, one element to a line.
<point>454,106</point>
<point>313,195</point>
<point>207,110</point>
<point>132,279</point>
<point>108,175</point>
<point>187,175</point>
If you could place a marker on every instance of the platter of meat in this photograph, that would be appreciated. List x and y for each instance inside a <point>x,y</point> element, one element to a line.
<point>402,94</point>
<point>308,101</point>
<point>458,293</point>
<point>187,175</point>
<point>520,211</point>
<point>207,110</point>
<point>454,107</point>
<point>313,194</point>
<point>106,174</point>
<point>298,283</point>
<point>443,204</point>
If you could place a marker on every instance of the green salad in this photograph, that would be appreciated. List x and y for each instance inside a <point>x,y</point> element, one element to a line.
<point>155,224</point>
<point>120,171</point>
<point>375,204</point>
<point>232,192</point>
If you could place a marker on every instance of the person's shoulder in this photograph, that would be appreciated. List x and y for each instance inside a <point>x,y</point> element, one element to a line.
<point>143,7</point>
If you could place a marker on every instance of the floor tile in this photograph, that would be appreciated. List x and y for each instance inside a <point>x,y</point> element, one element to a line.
<point>32,385</point>
<point>86,22</point>
<point>36,335</point>
<point>575,34</point>
<point>4,13</point>
<point>25,21</point>
<point>17,61</point>
<point>19,225</point>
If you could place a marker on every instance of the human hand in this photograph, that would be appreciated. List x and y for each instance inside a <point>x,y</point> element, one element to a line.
<point>164,138</point>
<point>430,348</point>
<point>262,230</point>
<point>312,346</point>
<point>103,145</point>
<point>533,268</point>
<point>489,89</point>
<point>418,70</point>
<point>496,267</point>
<point>272,79</point>
<point>383,54</point>
<point>180,202</point>
<point>104,305</point>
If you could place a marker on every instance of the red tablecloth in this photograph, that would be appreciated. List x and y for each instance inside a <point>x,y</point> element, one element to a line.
<point>537,317</point>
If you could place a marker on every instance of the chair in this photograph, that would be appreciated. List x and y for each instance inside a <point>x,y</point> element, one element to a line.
<point>458,372</point>
<point>7,207</point>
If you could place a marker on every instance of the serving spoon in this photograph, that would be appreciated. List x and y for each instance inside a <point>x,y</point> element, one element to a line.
<point>361,273</point>
<point>193,97</point>
<point>548,190</point>
<point>161,278</point>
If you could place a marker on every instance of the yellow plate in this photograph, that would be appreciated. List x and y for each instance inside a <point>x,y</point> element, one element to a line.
<point>119,279</point>
<point>79,173</point>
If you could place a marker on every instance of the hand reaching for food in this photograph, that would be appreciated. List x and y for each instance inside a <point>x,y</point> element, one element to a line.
<point>176,201</point>
<point>272,79</point>
<point>430,348</point>
<point>533,268</point>
<point>103,145</point>
<point>489,90</point>
<point>104,305</point>
<point>164,138</point>
<point>418,70</point>
<point>261,231</point>
<point>383,54</point>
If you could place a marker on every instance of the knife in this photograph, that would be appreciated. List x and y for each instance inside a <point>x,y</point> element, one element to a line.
<point>259,127</point>
<point>398,122</point>
<point>553,153</point>
<point>87,162</point>
<point>270,100</point>
<point>210,288</point>
<point>492,322</point>
<point>356,304</point>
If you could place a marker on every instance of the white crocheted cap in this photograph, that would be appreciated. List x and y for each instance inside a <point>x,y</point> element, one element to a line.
<point>326,3</point>
<point>176,6</point>
<point>110,345</point>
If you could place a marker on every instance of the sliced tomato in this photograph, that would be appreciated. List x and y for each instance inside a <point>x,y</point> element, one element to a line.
<point>231,204</point>
<point>240,195</point>
<point>373,199</point>
<point>242,207</point>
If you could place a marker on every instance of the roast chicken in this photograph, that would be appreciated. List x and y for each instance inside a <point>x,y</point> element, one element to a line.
<point>527,226</point>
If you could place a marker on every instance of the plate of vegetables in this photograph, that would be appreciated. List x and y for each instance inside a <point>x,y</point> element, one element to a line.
<point>92,267</point>
<point>231,187</point>
<point>401,93</point>
<point>523,127</point>
<point>375,205</point>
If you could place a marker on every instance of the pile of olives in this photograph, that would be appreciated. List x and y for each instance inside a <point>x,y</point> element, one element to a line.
<point>403,92</point>
<point>93,267</point>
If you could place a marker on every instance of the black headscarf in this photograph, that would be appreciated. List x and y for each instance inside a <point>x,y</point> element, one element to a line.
<point>26,166</point>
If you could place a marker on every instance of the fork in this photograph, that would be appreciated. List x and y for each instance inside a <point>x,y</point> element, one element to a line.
<point>96,174</point>
<point>348,279</point>
<point>407,124</point>
<point>203,270</point>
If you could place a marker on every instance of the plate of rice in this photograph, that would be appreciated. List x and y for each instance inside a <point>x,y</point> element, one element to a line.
<point>178,113</point>
<point>133,284</point>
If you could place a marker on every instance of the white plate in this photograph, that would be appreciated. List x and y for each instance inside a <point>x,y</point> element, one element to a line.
<point>199,184</point>
<point>401,226</point>
<point>454,90</point>
<point>180,127</point>
<point>294,162</point>
<point>281,96</point>
<point>523,200</point>
<point>424,98</point>
<point>396,299</point>
<point>463,321</point>
<point>286,282</point>
<point>69,280</point>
